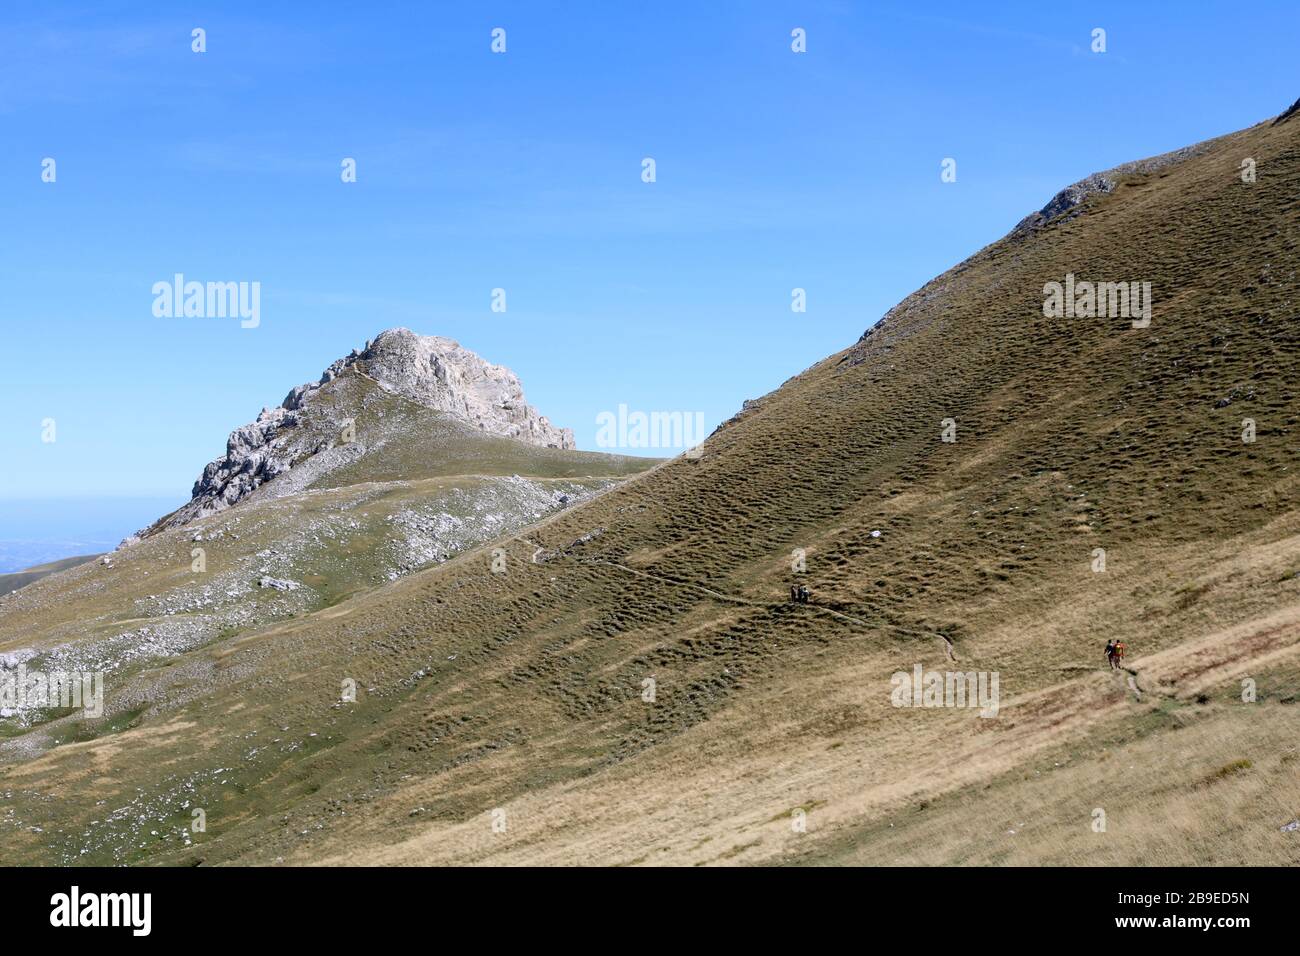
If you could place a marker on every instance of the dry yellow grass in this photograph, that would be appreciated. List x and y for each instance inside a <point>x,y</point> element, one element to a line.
<point>517,697</point>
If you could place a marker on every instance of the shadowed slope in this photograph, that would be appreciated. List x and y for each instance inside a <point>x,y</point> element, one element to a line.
<point>19,579</point>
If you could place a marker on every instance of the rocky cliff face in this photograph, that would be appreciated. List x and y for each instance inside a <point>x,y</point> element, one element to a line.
<point>439,373</point>
<point>431,371</point>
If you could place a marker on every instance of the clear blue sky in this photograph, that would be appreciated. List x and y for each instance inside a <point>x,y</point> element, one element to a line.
<point>522,171</point>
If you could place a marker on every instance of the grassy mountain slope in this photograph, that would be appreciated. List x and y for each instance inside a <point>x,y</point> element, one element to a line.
<point>303,542</point>
<point>501,716</point>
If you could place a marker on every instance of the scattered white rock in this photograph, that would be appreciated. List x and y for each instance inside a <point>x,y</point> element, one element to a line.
<point>279,584</point>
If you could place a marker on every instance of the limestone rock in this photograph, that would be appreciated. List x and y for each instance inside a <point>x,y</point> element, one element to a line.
<point>429,370</point>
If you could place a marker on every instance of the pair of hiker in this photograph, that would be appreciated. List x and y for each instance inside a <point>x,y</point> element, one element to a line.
<point>799,593</point>
<point>1115,653</point>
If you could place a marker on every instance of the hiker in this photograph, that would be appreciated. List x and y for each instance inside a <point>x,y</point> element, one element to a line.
<point>803,594</point>
<point>1114,653</point>
<point>794,592</point>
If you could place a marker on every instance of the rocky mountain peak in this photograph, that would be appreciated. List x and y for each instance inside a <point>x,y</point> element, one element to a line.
<point>429,370</point>
<point>440,373</point>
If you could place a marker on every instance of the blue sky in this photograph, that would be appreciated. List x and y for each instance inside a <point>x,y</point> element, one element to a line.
<point>522,171</point>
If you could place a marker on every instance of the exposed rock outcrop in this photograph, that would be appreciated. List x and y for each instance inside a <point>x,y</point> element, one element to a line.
<point>1290,111</point>
<point>438,372</point>
<point>1069,199</point>
<point>431,371</point>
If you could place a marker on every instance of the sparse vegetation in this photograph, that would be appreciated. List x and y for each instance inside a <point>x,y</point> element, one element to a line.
<point>523,690</point>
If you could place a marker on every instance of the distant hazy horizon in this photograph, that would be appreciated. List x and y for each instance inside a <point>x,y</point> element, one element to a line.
<point>39,530</point>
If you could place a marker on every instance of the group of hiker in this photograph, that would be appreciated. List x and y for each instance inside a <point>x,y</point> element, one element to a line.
<point>1115,653</point>
<point>799,593</point>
